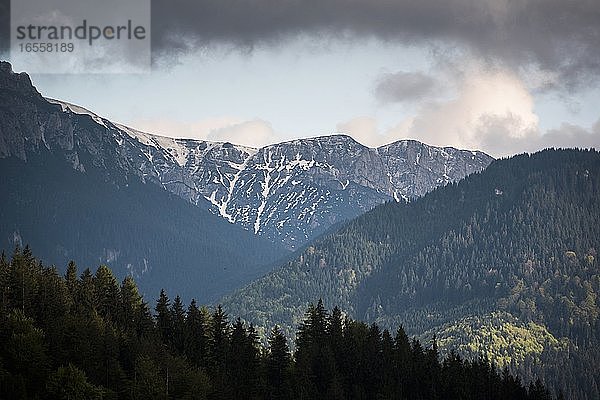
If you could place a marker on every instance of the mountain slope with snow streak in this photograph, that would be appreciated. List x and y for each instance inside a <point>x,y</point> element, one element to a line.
<point>287,192</point>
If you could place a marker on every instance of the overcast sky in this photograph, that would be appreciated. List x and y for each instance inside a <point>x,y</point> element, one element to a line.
<point>502,76</point>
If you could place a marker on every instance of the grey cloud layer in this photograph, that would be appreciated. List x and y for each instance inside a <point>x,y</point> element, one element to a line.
<point>497,138</point>
<point>560,35</point>
<point>404,86</point>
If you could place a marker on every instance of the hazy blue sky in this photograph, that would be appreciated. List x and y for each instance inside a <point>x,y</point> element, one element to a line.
<point>496,75</point>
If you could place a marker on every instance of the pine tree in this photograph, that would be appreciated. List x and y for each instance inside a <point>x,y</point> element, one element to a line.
<point>5,292</point>
<point>51,301</point>
<point>219,352</point>
<point>86,297</point>
<point>178,324</point>
<point>402,346</point>
<point>144,323</point>
<point>107,292</point>
<point>239,362</point>
<point>196,335</point>
<point>373,360</point>
<point>315,362</point>
<point>164,321</point>
<point>71,279</point>
<point>130,303</point>
<point>23,280</point>
<point>278,366</point>
<point>219,338</point>
<point>388,367</point>
<point>335,333</point>
<point>252,357</point>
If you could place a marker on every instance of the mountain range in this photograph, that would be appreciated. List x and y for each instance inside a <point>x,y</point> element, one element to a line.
<point>255,204</point>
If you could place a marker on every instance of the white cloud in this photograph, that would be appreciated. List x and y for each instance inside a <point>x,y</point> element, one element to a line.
<point>363,130</point>
<point>489,108</point>
<point>492,110</point>
<point>178,129</point>
<point>485,101</point>
<point>253,133</point>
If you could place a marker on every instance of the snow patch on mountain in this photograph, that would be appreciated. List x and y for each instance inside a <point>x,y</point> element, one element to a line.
<point>68,107</point>
<point>289,192</point>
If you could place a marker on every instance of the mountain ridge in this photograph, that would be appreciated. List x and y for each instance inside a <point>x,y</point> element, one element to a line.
<point>289,192</point>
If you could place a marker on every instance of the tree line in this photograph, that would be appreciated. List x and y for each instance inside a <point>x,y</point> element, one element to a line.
<point>86,336</point>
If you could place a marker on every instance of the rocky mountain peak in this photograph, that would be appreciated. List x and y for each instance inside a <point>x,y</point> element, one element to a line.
<point>20,82</point>
<point>288,192</point>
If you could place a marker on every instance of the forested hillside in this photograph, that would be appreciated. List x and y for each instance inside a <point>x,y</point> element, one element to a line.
<point>87,337</point>
<point>136,229</point>
<point>504,264</point>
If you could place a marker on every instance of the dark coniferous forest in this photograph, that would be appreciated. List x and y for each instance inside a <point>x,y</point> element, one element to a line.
<point>87,336</point>
<point>502,264</point>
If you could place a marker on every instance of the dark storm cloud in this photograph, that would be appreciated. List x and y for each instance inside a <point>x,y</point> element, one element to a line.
<point>4,27</point>
<point>404,86</point>
<point>562,36</point>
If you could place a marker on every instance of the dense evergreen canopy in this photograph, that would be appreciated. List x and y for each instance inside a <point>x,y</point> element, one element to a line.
<point>89,337</point>
<point>502,264</point>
